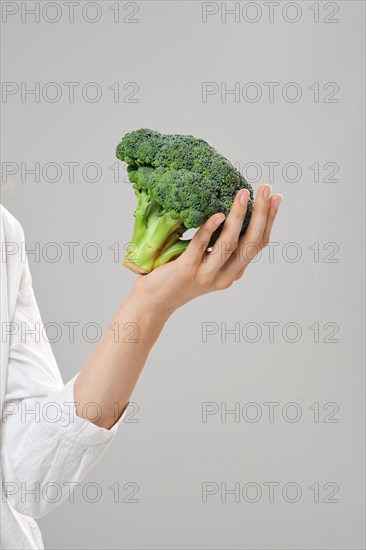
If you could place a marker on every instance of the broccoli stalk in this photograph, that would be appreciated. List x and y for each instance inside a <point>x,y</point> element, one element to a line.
<point>155,239</point>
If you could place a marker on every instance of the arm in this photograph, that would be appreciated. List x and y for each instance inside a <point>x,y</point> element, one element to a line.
<point>39,451</point>
<point>113,370</point>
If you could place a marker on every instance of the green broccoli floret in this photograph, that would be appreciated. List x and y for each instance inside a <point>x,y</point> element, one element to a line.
<point>180,181</point>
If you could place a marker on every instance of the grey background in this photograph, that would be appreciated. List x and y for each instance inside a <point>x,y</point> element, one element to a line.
<point>169,452</point>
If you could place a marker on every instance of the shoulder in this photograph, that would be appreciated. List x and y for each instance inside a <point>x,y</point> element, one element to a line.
<point>14,267</point>
<point>11,229</point>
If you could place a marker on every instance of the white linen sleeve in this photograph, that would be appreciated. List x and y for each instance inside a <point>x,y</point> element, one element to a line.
<point>47,449</point>
<point>45,446</point>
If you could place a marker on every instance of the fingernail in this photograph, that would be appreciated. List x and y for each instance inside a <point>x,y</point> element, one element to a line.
<point>267,191</point>
<point>219,220</point>
<point>243,197</point>
<point>277,201</point>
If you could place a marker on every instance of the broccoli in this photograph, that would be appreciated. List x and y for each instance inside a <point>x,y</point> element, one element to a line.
<point>180,181</point>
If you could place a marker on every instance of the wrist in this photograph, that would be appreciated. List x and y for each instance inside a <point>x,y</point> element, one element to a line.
<point>149,307</point>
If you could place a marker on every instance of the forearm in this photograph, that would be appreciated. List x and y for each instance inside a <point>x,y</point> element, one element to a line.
<point>111,373</point>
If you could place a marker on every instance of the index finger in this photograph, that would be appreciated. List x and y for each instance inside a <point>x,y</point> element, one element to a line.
<point>199,243</point>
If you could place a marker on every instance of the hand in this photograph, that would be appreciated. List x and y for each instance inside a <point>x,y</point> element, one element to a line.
<point>199,271</point>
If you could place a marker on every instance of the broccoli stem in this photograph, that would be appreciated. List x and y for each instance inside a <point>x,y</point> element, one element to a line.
<point>171,252</point>
<point>155,238</point>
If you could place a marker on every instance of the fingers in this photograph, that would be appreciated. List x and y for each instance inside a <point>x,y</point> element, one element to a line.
<point>275,202</point>
<point>257,234</point>
<point>228,240</point>
<point>250,243</point>
<point>258,220</point>
<point>198,245</point>
<point>233,254</point>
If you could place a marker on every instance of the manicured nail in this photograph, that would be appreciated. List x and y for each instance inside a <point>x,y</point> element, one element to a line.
<point>219,220</point>
<point>277,201</point>
<point>267,191</point>
<point>244,196</point>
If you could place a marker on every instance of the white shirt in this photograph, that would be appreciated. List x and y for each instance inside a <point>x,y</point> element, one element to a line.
<point>52,445</point>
